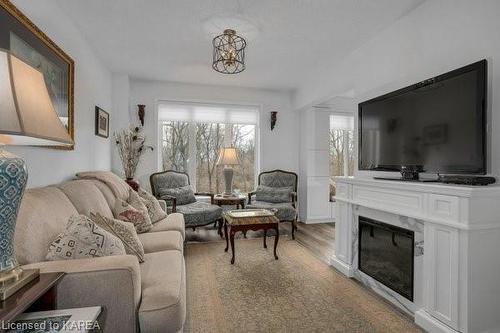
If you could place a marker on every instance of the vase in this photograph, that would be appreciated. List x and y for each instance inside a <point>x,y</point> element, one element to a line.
<point>132,183</point>
<point>13,176</point>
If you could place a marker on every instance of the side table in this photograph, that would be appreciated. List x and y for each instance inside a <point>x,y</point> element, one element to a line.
<point>38,295</point>
<point>236,200</point>
<point>250,219</point>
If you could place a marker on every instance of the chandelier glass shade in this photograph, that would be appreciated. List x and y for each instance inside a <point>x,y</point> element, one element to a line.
<point>229,53</point>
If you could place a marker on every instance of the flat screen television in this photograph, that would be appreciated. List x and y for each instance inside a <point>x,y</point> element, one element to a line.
<point>438,125</point>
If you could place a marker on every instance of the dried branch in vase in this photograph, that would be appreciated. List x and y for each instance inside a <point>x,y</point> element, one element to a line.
<point>131,145</point>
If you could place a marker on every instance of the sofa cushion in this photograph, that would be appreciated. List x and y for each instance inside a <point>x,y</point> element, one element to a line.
<point>285,212</point>
<point>125,231</point>
<point>117,185</point>
<point>273,194</point>
<point>106,191</point>
<point>86,197</point>
<point>184,194</point>
<point>174,221</point>
<point>199,213</point>
<point>163,281</point>
<point>44,209</point>
<point>162,241</point>
<point>84,239</point>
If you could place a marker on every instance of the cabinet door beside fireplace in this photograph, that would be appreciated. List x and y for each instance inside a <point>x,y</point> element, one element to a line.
<point>441,273</point>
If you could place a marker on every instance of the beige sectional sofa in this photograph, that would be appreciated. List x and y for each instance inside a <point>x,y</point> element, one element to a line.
<point>147,297</point>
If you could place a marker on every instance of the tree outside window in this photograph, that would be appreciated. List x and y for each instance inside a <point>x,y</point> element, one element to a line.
<point>178,154</point>
<point>341,142</point>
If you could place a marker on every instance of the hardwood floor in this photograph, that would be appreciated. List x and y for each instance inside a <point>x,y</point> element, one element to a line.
<point>318,238</point>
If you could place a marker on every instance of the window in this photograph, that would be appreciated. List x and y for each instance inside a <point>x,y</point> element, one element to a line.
<point>192,136</point>
<point>341,148</point>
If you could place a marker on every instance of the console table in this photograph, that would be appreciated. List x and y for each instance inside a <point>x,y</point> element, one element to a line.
<point>457,247</point>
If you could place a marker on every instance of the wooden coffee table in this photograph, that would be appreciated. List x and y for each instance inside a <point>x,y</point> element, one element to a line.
<point>250,219</point>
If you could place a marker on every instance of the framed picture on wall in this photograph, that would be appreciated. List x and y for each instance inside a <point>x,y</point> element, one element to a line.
<point>27,42</point>
<point>101,122</point>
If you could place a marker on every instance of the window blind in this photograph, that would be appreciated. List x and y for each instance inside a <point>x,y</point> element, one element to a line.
<point>208,113</point>
<point>342,122</point>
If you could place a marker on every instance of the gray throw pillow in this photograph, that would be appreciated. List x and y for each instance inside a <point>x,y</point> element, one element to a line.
<point>184,195</point>
<point>273,194</point>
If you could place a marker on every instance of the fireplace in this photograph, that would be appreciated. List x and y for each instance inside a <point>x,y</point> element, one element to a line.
<point>386,254</point>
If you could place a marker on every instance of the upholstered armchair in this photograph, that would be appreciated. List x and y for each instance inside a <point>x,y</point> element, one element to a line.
<point>174,187</point>
<point>277,189</point>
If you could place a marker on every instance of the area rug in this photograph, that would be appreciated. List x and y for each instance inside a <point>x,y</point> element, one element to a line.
<point>297,293</point>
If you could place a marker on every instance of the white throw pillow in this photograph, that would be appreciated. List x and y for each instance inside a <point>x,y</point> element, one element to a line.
<point>84,239</point>
<point>125,231</point>
<point>156,213</point>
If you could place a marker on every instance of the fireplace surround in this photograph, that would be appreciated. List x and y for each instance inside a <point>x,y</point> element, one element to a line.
<point>456,256</point>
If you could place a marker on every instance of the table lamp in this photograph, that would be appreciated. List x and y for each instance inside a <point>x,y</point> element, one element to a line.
<point>228,157</point>
<point>27,117</point>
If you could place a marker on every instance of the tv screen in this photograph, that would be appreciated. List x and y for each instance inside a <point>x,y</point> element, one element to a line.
<point>437,124</point>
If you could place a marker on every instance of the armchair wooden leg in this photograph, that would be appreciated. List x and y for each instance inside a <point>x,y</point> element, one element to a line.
<point>293,230</point>
<point>219,231</point>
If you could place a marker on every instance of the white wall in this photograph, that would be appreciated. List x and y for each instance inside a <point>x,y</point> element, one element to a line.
<point>278,148</point>
<point>92,87</point>
<point>122,107</point>
<point>436,37</point>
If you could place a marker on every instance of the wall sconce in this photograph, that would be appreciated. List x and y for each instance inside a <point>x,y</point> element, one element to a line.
<point>274,118</point>
<point>141,113</point>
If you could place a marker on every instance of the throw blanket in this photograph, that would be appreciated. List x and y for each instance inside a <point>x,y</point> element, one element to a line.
<point>116,184</point>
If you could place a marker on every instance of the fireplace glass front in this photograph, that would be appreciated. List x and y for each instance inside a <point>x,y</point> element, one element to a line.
<point>386,254</point>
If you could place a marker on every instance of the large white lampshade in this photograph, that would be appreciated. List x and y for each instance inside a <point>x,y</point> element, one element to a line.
<point>27,116</point>
<point>228,156</point>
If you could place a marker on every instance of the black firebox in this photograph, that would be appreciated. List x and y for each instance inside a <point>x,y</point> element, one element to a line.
<point>386,254</point>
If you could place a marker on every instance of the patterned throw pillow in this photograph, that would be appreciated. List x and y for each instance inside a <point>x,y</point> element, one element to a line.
<point>125,231</point>
<point>156,213</point>
<point>84,239</point>
<point>139,218</point>
<point>184,195</point>
<point>273,194</point>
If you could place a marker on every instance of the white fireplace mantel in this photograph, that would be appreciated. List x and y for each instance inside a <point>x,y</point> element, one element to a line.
<point>457,282</point>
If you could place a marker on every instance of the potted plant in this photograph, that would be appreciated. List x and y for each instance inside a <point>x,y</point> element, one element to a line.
<point>131,145</point>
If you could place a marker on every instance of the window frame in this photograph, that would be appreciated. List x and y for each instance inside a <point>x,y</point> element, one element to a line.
<point>192,163</point>
<point>345,171</point>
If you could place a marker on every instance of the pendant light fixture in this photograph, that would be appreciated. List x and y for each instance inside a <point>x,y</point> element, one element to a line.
<point>229,53</point>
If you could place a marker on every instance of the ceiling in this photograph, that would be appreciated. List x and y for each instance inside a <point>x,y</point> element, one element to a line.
<point>287,39</point>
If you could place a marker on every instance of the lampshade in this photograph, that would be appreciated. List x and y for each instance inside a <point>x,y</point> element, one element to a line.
<point>27,116</point>
<point>228,156</point>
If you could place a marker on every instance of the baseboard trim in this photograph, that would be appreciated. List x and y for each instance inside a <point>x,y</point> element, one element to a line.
<point>431,324</point>
<point>342,267</point>
<point>317,221</point>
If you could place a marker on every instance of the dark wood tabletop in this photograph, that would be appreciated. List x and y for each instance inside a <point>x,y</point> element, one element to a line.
<point>38,295</point>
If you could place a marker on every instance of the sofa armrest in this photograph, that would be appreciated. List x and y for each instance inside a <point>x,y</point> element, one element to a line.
<point>250,194</point>
<point>293,196</point>
<point>111,282</point>
<point>206,194</point>
<point>163,205</point>
<point>168,198</point>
